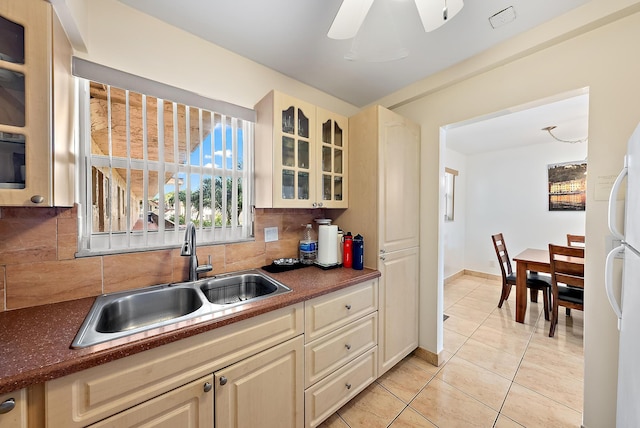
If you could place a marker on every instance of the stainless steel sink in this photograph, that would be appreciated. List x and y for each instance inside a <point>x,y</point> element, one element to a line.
<point>141,309</point>
<point>121,314</point>
<point>238,289</point>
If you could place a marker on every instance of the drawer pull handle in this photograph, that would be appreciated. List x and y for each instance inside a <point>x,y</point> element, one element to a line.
<point>347,346</point>
<point>223,380</point>
<point>207,386</point>
<point>348,386</point>
<point>348,307</point>
<point>7,405</point>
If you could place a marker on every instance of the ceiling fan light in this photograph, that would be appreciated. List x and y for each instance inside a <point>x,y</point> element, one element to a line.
<point>435,13</point>
<point>349,18</point>
<point>378,39</point>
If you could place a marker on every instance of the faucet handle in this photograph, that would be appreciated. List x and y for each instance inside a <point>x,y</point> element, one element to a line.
<point>205,268</point>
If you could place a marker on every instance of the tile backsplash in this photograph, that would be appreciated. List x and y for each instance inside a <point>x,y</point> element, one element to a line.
<point>38,264</point>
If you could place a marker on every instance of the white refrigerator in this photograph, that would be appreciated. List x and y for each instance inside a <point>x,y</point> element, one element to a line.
<point>628,308</point>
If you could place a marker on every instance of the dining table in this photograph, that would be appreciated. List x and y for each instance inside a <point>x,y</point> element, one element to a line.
<point>534,260</point>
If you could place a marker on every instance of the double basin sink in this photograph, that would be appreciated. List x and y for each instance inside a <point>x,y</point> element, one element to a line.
<point>121,314</point>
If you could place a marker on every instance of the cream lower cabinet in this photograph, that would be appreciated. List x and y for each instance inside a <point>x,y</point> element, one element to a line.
<point>191,406</point>
<point>13,409</point>
<point>398,335</point>
<point>127,386</point>
<point>340,350</point>
<point>265,390</point>
<point>259,372</point>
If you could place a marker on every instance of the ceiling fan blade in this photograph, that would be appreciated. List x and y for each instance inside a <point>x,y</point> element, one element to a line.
<point>349,18</point>
<point>432,12</point>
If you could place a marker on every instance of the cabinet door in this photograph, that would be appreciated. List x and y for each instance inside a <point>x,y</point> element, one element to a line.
<point>25,37</point>
<point>398,307</point>
<point>190,406</point>
<point>294,152</point>
<point>13,409</point>
<point>265,390</point>
<point>332,155</point>
<point>399,182</point>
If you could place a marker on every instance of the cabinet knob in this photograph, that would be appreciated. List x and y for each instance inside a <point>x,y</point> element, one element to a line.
<point>348,347</point>
<point>383,251</point>
<point>320,204</point>
<point>207,386</point>
<point>383,258</point>
<point>348,307</point>
<point>37,199</point>
<point>7,405</point>
<point>223,380</point>
<point>348,386</point>
<point>314,205</point>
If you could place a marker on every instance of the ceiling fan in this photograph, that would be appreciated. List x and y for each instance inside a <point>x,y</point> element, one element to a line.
<point>351,15</point>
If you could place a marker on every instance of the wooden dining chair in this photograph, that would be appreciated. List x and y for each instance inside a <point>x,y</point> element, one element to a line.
<point>575,240</point>
<point>567,280</point>
<point>535,282</point>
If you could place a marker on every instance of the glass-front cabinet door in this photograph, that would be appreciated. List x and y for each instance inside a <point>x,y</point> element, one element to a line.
<point>300,155</point>
<point>25,29</point>
<point>294,155</point>
<point>332,152</point>
<point>12,104</point>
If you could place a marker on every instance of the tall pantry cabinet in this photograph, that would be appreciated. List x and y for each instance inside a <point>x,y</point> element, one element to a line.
<point>384,187</point>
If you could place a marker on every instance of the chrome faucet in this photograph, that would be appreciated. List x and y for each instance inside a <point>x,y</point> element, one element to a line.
<point>189,249</point>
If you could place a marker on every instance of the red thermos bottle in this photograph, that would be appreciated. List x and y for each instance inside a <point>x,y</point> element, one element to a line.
<point>347,250</point>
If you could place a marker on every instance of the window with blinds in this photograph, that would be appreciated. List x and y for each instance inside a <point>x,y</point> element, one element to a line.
<point>152,165</point>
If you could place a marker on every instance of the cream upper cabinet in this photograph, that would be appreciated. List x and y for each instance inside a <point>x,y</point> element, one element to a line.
<point>265,390</point>
<point>35,65</point>
<point>332,191</point>
<point>384,165</point>
<point>300,155</point>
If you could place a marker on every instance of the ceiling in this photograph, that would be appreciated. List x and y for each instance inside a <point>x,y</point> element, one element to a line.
<point>522,126</point>
<point>290,36</point>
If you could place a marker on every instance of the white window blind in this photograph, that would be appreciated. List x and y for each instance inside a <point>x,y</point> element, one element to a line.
<point>152,164</point>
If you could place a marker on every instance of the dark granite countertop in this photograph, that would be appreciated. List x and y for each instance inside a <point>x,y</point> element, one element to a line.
<point>35,342</point>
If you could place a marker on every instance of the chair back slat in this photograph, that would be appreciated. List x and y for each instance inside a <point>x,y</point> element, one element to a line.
<point>575,240</point>
<point>565,269</point>
<point>502,254</point>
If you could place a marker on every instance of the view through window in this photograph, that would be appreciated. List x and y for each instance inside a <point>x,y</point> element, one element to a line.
<point>153,165</point>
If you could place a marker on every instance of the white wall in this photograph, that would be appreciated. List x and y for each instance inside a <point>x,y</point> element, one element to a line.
<point>589,47</point>
<point>507,193</point>
<point>454,231</point>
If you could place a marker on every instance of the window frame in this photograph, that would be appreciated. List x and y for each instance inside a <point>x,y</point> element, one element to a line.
<point>449,194</point>
<point>113,242</point>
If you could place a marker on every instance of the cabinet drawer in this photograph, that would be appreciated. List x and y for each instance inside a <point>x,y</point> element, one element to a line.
<point>331,393</point>
<point>327,313</point>
<point>334,350</point>
<point>190,405</point>
<point>91,395</point>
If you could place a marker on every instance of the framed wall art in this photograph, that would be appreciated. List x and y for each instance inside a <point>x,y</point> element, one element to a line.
<point>567,186</point>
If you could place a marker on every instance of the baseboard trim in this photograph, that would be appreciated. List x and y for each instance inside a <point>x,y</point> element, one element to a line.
<point>453,277</point>
<point>483,275</point>
<point>428,356</point>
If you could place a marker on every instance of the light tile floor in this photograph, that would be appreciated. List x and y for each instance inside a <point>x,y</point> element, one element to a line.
<point>497,373</point>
